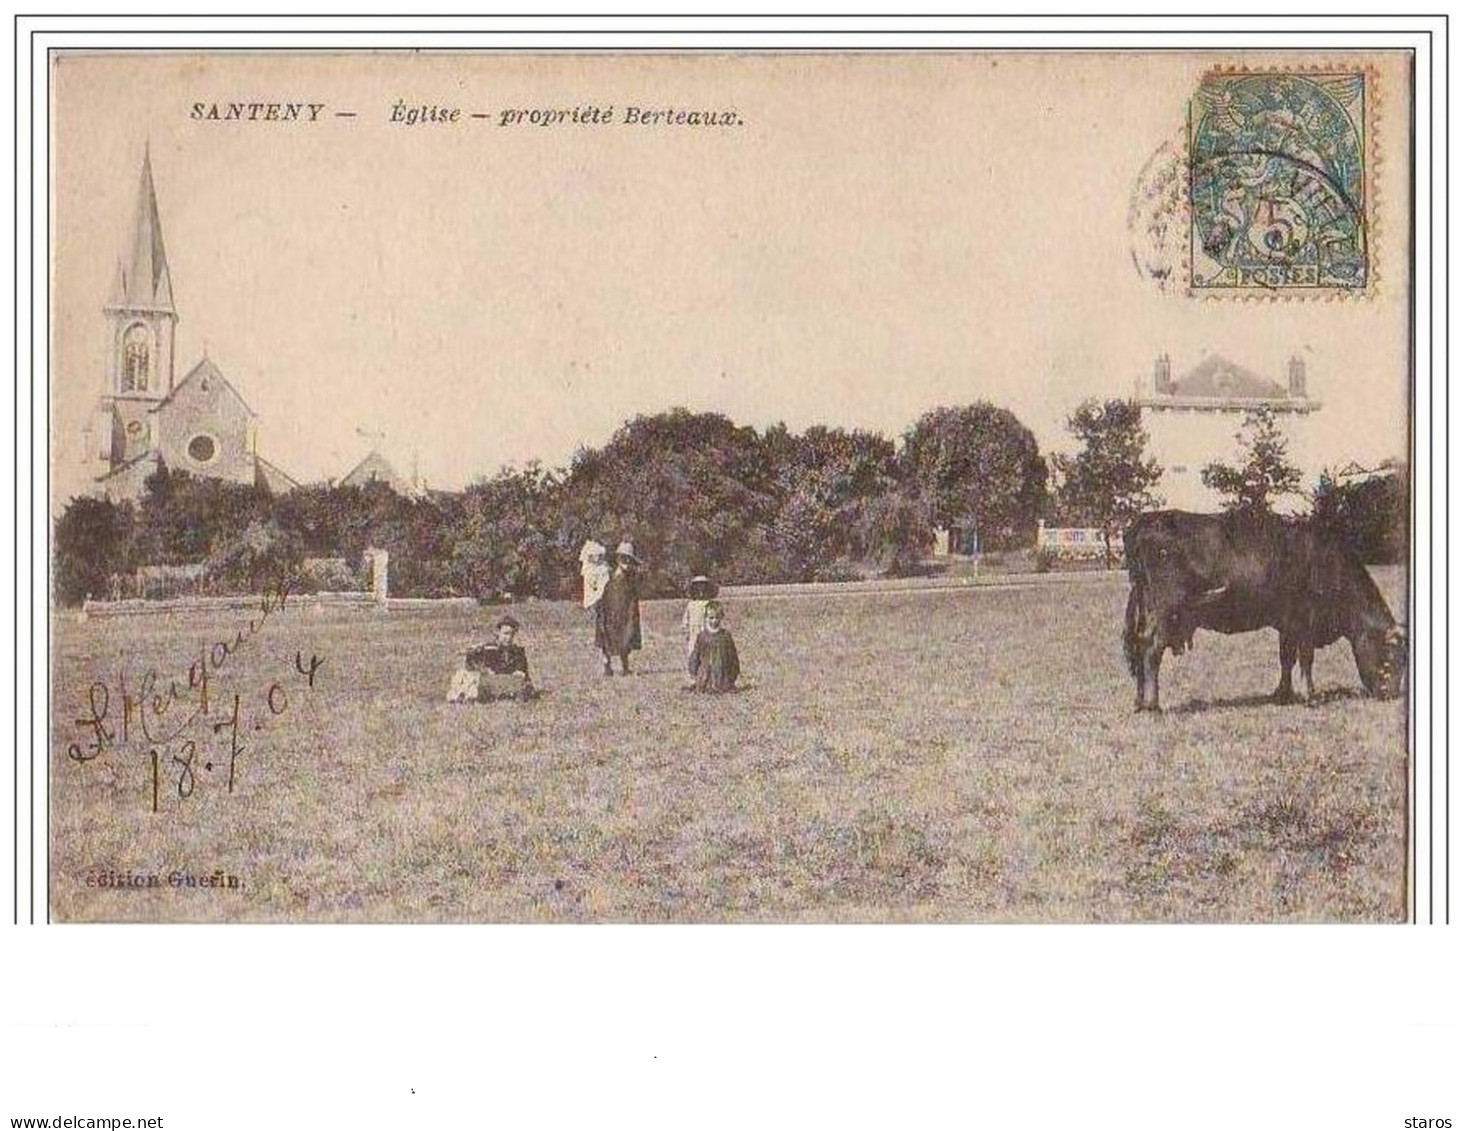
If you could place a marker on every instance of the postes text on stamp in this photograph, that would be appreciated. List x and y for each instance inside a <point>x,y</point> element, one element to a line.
<point>1277,183</point>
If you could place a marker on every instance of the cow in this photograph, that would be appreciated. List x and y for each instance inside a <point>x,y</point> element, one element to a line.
<point>1240,572</point>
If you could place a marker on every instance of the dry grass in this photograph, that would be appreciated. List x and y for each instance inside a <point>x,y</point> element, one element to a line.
<point>962,755</point>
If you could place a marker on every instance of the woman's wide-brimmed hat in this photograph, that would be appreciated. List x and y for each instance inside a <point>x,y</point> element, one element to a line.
<point>627,550</point>
<point>702,586</point>
<point>591,551</point>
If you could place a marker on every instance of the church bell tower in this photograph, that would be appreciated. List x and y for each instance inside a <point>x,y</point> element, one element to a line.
<point>141,324</point>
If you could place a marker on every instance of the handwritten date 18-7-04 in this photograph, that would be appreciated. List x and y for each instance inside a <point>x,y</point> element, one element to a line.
<point>176,722</point>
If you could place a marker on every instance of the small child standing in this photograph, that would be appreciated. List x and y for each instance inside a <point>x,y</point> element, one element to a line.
<point>713,664</point>
<point>693,620</point>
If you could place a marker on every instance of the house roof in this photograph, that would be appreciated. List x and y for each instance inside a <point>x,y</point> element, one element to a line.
<point>1220,378</point>
<point>142,281</point>
<point>378,467</point>
<point>1355,471</point>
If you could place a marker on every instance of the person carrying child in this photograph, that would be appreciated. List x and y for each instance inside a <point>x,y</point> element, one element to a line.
<point>702,592</point>
<point>714,665</point>
<point>498,670</point>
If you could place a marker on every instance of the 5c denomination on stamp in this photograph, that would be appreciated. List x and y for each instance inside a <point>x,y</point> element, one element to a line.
<point>1278,183</point>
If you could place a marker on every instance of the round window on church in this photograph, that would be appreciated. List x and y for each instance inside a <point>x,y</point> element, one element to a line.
<point>202,449</point>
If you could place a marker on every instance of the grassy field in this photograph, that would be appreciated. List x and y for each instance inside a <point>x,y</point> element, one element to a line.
<point>954,755</point>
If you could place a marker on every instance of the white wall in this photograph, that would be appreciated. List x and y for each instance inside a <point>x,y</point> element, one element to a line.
<point>1190,439</point>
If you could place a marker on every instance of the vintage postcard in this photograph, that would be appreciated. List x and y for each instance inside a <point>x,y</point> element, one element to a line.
<point>961,486</point>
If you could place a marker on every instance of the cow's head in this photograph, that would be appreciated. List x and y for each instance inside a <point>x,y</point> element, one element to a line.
<point>1381,660</point>
<point>1159,560</point>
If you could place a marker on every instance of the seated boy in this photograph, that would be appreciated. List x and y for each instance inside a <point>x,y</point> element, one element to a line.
<point>494,671</point>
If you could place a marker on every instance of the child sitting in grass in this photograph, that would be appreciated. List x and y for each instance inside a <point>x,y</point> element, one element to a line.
<point>494,671</point>
<point>714,665</point>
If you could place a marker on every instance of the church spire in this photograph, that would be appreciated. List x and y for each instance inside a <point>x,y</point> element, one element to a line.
<point>142,282</point>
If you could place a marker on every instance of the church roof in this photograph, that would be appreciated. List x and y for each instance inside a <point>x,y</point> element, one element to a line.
<point>142,281</point>
<point>271,478</point>
<point>205,370</point>
<point>1219,377</point>
<point>377,467</point>
<point>122,468</point>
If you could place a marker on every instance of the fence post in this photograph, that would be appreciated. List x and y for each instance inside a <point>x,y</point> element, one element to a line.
<point>377,562</point>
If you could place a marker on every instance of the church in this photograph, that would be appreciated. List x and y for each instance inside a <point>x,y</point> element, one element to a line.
<point>145,418</point>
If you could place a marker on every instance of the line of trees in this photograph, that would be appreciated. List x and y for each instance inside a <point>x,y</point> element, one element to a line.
<point>696,493</point>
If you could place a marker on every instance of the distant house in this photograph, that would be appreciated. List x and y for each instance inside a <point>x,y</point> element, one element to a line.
<point>376,468</point>
<point>1192,420</point>
<point>200,424</point>
<point>1352,473</point>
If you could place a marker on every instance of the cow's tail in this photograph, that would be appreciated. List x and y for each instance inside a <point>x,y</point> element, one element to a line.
<point>1132,641</point>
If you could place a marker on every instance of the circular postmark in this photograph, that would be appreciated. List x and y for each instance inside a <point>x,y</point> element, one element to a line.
<point>1158,217</point>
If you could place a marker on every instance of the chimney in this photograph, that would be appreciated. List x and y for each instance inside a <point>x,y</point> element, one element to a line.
<point>1298,377</point>
<point>1163,375</point>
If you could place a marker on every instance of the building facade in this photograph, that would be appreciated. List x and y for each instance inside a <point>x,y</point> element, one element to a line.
<point>145,419</point>
<point>1192,421</point>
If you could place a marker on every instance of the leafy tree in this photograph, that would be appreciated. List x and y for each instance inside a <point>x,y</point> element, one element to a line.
<point>255,558</point>
<point>693,491</point>
<point>977,467</point>
<point>891,530</point>
<point>1264,475</point>
<point>343,521</point>
<point>1110,481</point>
<point>1370,517</point>
<point>317,514</point>
<point>826,476</point>
<point>181,518</point>
<point>93,542</point>
<point>508,535</point>
<point>849,463</point>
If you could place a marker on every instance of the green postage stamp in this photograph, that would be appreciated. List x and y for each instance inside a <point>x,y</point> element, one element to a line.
<point>1278,183</point>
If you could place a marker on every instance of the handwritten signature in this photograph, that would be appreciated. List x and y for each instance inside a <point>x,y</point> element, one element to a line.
<point>162,713</point>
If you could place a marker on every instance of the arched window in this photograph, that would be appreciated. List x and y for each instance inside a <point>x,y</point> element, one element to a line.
<point>136,358</point>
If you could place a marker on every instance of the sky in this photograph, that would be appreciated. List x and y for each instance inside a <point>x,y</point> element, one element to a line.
<point>873,237</point>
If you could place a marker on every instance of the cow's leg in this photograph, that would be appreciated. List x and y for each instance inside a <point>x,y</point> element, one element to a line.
<point>1143,643</point>
<point>1285,693</point>
<point>624,663</point>
<point>1133,644</point>
<point>1148,680</point>
<point>1307,657</point>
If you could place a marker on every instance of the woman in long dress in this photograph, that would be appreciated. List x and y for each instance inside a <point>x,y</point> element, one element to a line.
<point>617,620</point>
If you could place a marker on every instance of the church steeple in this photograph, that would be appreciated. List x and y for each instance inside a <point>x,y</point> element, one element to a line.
<point>144,419</point>
<point>142,281</point>
<point>141,318</point>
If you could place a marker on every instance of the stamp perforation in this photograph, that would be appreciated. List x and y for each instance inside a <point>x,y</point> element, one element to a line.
<point>1371,226</point>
